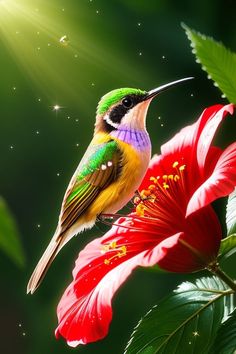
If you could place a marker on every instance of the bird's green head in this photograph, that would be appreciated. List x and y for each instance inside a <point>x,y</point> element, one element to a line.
<point>116,106</point>
<point>115,96</point>
<point>126,107</point>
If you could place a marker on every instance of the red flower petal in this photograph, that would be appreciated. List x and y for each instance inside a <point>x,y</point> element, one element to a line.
<point>84,311</point>
<point>197,245</point>
<point>220,184</point>
<point>208,127</point>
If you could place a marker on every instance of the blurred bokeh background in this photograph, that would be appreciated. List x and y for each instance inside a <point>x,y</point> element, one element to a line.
<point>57,58</point>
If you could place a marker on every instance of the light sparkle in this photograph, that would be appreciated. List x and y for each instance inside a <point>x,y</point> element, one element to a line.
<point>64,40</point>
<point>196,334</point>
<point>56,107</point>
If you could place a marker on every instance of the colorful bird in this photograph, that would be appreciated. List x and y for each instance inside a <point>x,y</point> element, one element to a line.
<point>110,171</point>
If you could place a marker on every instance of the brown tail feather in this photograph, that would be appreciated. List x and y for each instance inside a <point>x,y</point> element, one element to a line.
<point>45,261</point>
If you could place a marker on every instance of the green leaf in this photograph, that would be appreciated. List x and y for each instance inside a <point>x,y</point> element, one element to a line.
<point>227,247</point>
<point>185,322</point>
<point>225,342</point>
<point>218,61</point>
<point>231,213</point>
<point>9,236</point>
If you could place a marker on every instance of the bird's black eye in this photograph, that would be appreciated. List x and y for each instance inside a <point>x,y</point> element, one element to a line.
<point>127,102</point>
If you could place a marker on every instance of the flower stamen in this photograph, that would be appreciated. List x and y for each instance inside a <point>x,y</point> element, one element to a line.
<point>121,251</point>
<point>162,193</point>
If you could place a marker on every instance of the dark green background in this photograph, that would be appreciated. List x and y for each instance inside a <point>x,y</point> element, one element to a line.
<point>37,143</point>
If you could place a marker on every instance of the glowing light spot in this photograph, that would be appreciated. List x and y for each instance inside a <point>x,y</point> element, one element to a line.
<point>163,57</point>
<point>103,167</point>
<point>139,24</point>
<point>196,334</point>
<point>11,147</point>
<point>37,132</point>
<point>38,226</point>
<point>109,164</point>
<point>58,174</point>
<point>140,53</point>
<point>56,107</point>
<point>14,88</point>
<point>64,40</point>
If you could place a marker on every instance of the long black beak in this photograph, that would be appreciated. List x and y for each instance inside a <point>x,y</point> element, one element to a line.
<point>165,87</point>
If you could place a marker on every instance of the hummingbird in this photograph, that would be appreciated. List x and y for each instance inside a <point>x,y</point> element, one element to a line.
<point>110,171</point>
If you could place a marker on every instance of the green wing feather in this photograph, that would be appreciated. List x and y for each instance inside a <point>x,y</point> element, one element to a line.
<point>98,169</point>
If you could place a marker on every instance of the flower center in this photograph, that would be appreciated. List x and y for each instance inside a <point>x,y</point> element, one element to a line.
<point>164,193</point>
<point>120,251</point>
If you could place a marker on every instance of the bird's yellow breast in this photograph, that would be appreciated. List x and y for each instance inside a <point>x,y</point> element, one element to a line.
<point>117,194</point>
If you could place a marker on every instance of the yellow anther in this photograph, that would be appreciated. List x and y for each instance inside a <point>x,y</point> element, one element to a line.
<point>165,185</point>
<point>140,209</point>
<point>145,193</point>
<point>175,164</point>
<point>136,200</point>
<point>122,251</point>
<point>119,252</point>
<point>171,177</point>
<point>181,168</point>
<point>111,246</point>
<point>164,177</point>
<point>153,179</point>
<point>176,178</point>
<point>152,187</point>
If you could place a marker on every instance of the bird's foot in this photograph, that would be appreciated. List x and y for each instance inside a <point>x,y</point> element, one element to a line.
<point>139,197</point>
<point>104,217</point>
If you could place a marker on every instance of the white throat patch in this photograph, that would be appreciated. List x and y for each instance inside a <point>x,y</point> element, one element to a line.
<point>109,121</point>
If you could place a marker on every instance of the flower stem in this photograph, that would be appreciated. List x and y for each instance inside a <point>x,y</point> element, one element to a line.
<point>215,269</point>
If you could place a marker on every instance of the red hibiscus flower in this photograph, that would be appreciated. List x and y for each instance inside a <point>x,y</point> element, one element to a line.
<point>174,226</point>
